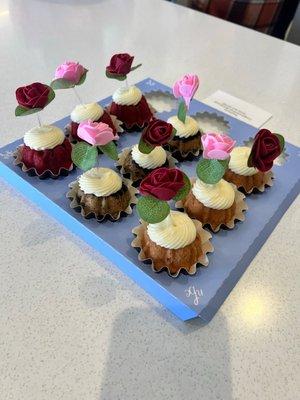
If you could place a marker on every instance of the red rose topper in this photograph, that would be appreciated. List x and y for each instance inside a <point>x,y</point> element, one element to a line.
<point>157,133</point>
<point>33,96</point>
<point>120,66</point>
<point>266,148</point>
<point>162,183</point>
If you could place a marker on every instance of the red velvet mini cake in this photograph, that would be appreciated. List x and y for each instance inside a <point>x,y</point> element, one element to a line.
<point>45,149</point>
<point>93,112</point>
<point>131,107</point>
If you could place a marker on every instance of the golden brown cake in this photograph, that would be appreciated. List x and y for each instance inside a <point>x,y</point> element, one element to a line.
<point>187,139</point>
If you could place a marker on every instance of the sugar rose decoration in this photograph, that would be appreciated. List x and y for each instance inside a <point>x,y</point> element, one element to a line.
<point>157,133</point>
<point>162,183</point>
<point>68,75</point>
<point>120,65</point>
<point>216,154</point>
<point>33,98</point>
<point>217,146</point>
<point>266,148</point>
<point>95,133</point>
<point>186,87</point>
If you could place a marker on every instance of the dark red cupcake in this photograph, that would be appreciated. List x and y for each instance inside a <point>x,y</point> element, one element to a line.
<point>131,107</point>
<point>45,149</point>
<point>93,112</point>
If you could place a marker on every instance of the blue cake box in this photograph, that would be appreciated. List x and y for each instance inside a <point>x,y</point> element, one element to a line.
<point>199,295</point>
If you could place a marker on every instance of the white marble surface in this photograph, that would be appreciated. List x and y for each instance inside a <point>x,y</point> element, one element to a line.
<point>72,327</point>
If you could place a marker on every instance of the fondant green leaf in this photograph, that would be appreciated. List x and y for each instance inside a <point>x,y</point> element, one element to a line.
<point>210,171</point>
<point>183,192</point>
<point>82,78</point>
<point>249,162</point>
<point>145,147</point>
<point>152,210</point>
<point>84,156</point>
<point>115,76</point>
<point>51,96</point>
<point>61,83</point>
<point>135,67</point>
<point>110,149</point>
<point>21,111</point>
<point>181,114</point>
<point>281,141</point>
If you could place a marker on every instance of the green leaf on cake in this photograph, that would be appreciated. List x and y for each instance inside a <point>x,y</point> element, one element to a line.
<point>110,149</point>
<point>183,192</point>
<point>211,171</point>
<point>22,111</point>
<point>281,141</point>
<point>115,76</point>
<point>145,147</point>
<point>152,210</point>
<point>84,156</point>
<point>51,96</point>
<point>181,113</point>
<point>135,67</point>
<point>83,77</point>
<point>61,83</point>
<point>249,162</point>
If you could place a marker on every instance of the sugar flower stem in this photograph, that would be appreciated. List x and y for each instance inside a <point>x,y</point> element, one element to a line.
<point>126,82</point>
<point>39,118</point>
<point>78,97</point>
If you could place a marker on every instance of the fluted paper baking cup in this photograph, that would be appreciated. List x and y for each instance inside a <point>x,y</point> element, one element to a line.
<point>206,246</point>
<point>74,204</point>
<point>33,172</point>
<point>240,207</point>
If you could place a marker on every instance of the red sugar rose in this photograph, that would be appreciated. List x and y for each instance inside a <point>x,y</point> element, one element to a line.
<point>266,148</point>
<point>157,133</point>
<point>33,96</point>
<point>120,64</point>
<point>162,183</point>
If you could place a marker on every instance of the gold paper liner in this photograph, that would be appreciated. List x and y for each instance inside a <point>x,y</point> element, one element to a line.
<point>267,181</point>
<point>194,153</point>
<point>123,155</point>
<point>207,247</point>
<point>33,172</point>
<point>72,195</point>
<point>240,207</point>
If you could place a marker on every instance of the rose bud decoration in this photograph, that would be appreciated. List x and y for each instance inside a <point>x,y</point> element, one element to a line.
<point>162,183</point>
<point>186,87</point>
<point>217,146</point>
<point>96,133</point>
<point>33,98</point>
<point>266,148</point>
<point>157,133</point>
<point>216,154</point>
<point>120,66</point>
<point>160,186</point>
<point>68,75</point>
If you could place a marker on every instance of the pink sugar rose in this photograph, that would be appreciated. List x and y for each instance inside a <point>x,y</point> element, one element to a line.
<point>70,70</point>
<point>217,146</point>
<point>186,87</point>
<point>96,133</point>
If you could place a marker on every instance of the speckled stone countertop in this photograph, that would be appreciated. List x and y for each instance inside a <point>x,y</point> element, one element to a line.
<point>72,326</point>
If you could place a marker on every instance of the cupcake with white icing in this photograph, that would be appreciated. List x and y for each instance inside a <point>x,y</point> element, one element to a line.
<point>187,140</point>
<point>212,200</point>
<point>171,240</point>
<point>250,167</point>
<point>148,154</point>
<point>92,112</point>
<point>46,152</point>
<point>101,193</point>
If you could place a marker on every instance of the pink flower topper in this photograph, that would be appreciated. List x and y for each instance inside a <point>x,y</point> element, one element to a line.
<point>68,75</point>
<point>217,146</point>
<point>96,133</point>
<point>186,87</point>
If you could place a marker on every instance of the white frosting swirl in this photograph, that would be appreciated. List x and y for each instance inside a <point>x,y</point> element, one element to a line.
<point>100,182</point>
<point>156,158</point>
<point>127,96</point>
<point>83,112</point>
<point>44,137</point>
<point>184,130</point>
<point>238,161</point>
<point>218,196</point>
<point>175,232</point>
